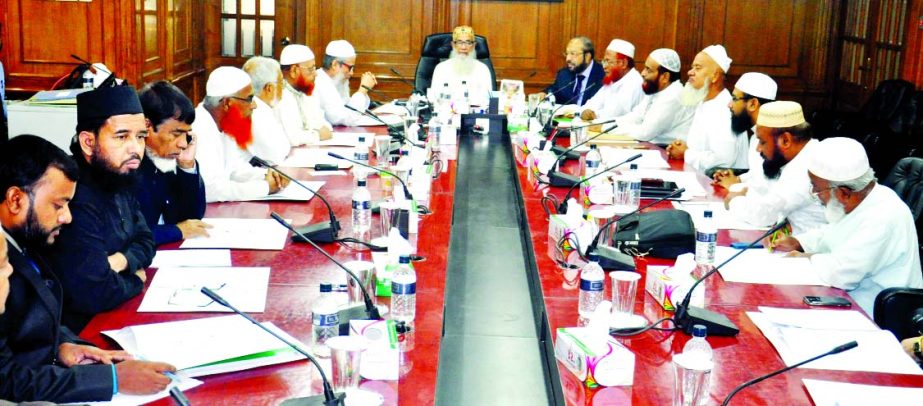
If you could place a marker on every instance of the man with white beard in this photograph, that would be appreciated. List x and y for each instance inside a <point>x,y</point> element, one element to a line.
<point>621,89</point>
<point>332,85</point>
<point>710,143</point>
<point>463,66</point>
<point>299,112</point>
<point>871,241</point>
<point>269,139</point>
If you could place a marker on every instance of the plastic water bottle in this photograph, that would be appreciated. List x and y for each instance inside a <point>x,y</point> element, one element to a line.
<point>697,350</point>
<point>361,154</point>
<point>592,282</point>
<point>404,292</point>
<point>87,79</point>
<point>706,239</point>
<point>362,208</point>
<point>633,200</point>
<point>592,162</point>
<point>325,322</point>
<point>466,99</point>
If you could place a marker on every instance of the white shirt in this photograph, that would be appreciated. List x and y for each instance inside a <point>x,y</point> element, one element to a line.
<point>269,139</point>
<point>659,118</point>
<point>789,197</point>
<point>872,248</point>
<point>711,142</point>
<point>224,167</point>
<point>578,95</point>
<point>478,80</point>
<point>754,161</point>
<point>332,100</point>
<point>300,115</point>
<point>617,99</point>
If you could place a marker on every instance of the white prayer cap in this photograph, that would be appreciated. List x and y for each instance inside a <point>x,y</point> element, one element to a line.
<point>623,47</point>
<point>758,85</point>
<point>225,81</point>
<point>667,58</point>
<point>340,49</point>
<point>718,54</point>
<point>839,160</point>
<point>780,114</point>
<point>294,54</point>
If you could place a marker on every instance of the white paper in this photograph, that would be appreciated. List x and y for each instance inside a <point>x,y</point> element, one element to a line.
<point>650,158</point>
<point>366,121</point>
<point>819,318</point>
<point>254,234</point>
<point>682,179</point>
<point>308,157</point>
<point>758,265</point>
<point>120,399</point>
<point>179,290</point>
<point>292,192</point>
<point>829,393</point>
<point>723,219</point>
<point>391,108</point>
<point>180,258</point>
<point>345,139</point>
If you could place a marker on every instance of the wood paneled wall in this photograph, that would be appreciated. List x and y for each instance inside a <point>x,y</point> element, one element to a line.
<point>913,60</point>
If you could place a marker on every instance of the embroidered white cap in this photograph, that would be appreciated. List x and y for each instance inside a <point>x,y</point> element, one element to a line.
<point>780,114</point>
<point>667,58</point>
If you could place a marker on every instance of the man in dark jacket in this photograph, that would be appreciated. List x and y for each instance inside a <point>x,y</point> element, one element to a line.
<point>101,256</point>
<point>170,189</point>
<point>39,358</point>
<point>580,78</point>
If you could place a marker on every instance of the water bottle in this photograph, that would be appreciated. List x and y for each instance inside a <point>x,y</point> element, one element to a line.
<point>361,154</point>
<point>592,282</point>
<point>325,323</point>
<point>466,99</point>
<point>697,350</point>
<point>404,292</point>
<point>706,239</point>
<point>633,200</point>
<point>87,79</point>
<point>362,208</point>
<point>592,162</point>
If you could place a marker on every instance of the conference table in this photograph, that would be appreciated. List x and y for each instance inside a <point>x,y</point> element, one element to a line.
<point>297,271</point>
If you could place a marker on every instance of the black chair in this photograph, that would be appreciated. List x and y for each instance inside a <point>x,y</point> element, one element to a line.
<point>902,138</point>
<point>900,311</point>
<point>881,113</point>
<point>906,179</point>
<point>436,48</point>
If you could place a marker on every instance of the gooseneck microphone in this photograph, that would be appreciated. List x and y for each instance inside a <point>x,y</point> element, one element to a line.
<point>392,130</point>
<point>370,312</point>
<point>547,126</point>
<point>325,232</point>
<point>845,347</point>
<point>329,398</point>
<point>568,153</point>
<point>401,78</point>
<point>560,179</point>
<point>406,189</point>
<point>563,204</point>
<point>717,323</point>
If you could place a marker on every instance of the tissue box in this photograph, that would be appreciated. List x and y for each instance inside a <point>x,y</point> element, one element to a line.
<point>577,231</point>
<point>669,288</point>
<point>613,366</point>
<point>380,360</point>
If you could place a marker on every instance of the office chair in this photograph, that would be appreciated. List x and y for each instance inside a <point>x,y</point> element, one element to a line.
<point>900,311</point>
<point>436,48</point>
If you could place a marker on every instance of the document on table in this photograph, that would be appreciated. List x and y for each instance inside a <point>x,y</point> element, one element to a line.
<point>878,350</point>
<point>120,399</point>
<point>234,233</point>
<point>721,216</point>
<point>391,108</point>
<point>345,139</point>
<point>682,179</point>
<point>829,393</point>
<point>183,258</point>
<point>309,157</point>
<point>207,346</point>
<point>179,289</point>
<point>292,192</point>
<point>650,158</point>
<point>366,121</point>
<point>758,265</point>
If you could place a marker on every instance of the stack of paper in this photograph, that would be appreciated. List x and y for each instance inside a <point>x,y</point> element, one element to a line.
<point>292,192</point>
<point>828,393</point>
<point>183,258</point>
<point>254,234</point>
<point>391,119</point>
<point>179,289</point>
<point>721,216</point>
<point>758,265</point>
<point>649,158</point>
<point>345,139</point>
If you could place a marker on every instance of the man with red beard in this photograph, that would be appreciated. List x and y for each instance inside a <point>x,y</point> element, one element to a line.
<point>299,111</point>
<point>225,131</point>
<point>621,89</point>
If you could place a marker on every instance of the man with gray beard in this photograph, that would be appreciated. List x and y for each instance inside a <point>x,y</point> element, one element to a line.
<point>463,67</point>
<point>332,85</point>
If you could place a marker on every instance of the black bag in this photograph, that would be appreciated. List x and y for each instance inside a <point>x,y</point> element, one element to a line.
<point>659,233</point>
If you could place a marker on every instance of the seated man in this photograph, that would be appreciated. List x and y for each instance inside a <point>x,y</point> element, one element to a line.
<point>784,141</point>
<point>332,85</point>
<point>751,91</point>
<point>659,117</point>
<point>621,89</point>
<point>170,190</point>
<point>870,243</point>
<point>101,256</point>
<point>224,130</point>
<point>39,358</point>
<point>463,66</point>
<point>269,139</point>
<point>580,78</point>
<point>299,110</point>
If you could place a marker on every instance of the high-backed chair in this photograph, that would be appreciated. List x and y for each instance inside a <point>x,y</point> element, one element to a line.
<point>436,48</point>
<point>900,311</point>
<point>882,112</point>
<point>906,179</point>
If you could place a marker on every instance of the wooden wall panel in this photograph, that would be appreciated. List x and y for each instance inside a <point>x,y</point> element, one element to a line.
<point>913,65</point>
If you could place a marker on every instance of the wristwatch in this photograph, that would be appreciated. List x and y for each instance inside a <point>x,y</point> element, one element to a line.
<point>917,351</point>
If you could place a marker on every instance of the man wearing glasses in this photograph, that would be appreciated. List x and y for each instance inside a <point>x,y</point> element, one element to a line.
<point>581,77</point>
<point>299,110</point>
<point>332,85</point>
<point>621,89</point>
<point>224,129</point>
<point>463,66</point>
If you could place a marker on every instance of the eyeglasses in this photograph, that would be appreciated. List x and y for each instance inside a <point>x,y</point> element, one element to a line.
<point>248,99</point>
<point>350,67</point>
<point>309,69</point>
<point>744,98</point>
<point>574,54</point>
<point>815,194</point>
<point>466,43</point>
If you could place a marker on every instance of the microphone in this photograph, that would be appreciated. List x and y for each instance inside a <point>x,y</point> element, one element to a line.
<point>547,126</point>
<point>406,189</point>
<point>401,78</point>
<point>561,179</point>
<point>324,232</point>
<point>329,398</point>
<point>717,323</point>
<point>569,154</point>
<point>370,312</point>
<point>845,347</point>
<point>563,204</point>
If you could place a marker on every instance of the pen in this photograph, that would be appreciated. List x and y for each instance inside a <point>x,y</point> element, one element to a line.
<point>179,397</point>
<point>743,245</point>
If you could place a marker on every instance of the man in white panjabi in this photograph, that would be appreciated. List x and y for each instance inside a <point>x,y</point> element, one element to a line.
<point>659,117</point>
<point>621,89</point>
<point>784,141</point>
<point>270,141</point>
<point>751,91</point>
<point>331,86</point>
<point>710,142</point>
<point>871,241</point>
<point>299,111</point>
<point>463,66</point>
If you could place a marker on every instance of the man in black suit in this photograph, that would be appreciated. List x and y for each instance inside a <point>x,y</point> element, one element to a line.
<point>580,78</point>
<point>39,358</point>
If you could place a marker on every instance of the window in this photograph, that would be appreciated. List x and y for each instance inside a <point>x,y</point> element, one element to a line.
<point>247,27</point>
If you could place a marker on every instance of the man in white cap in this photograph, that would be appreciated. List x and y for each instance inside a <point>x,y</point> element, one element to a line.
<point>659,117</point>
<point>224,129</point>
<point>871,241</point>
<point>299,110</point>
<point>463,66</point>
<point>752,90</point>
<point>332,85</point>
<point>270,142</point>
<point>710,142</point>
<point>785,144</point>
<point>621,89</point>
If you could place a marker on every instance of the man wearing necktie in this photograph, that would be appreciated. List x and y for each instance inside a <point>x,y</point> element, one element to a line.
<point>580,78</point>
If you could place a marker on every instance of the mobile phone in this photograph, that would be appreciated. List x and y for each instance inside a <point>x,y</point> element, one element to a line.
<point>826,301</point>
